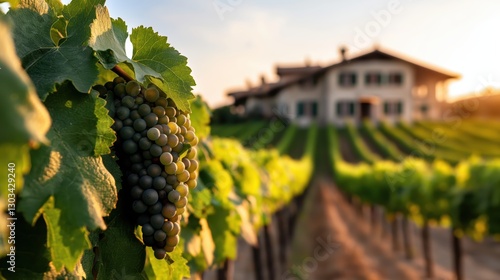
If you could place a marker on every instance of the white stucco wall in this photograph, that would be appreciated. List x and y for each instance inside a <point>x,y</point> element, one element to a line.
<point>383,93</point>
<point>292,95</point>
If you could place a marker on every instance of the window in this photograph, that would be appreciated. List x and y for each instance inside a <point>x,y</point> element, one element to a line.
<point>395,78</point>
<point>301,109</point>
<point>394,108</point>
<point>307,108</point>
<point>314,110</point>
<point>373,78</point>
<point>347,79</point>
<point>345,108</point>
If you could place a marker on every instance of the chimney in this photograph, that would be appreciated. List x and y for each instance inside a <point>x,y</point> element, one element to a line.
<point>307,61</point>
<point>249,84</point>
<point>343,52</point>
<point>262,80</point>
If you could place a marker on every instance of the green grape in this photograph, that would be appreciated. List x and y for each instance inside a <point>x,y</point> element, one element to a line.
<point>193,175</point>
<point>183,176</point>
<point>151,94</point>
<point>119,90</point>
<point>150,197</point>
<point>186,162</point>
<point>117,125</point>
<point>163,120</point>
<point>162,140</point>
<point>175,219</point>
<point>174,196</point>
<point>139,125</point>
<point>193,166</point>
<point>169,211</point>
<point>171,168</point>
<point>169,249</point>
<point>194,142</point>
<point>162,102</point>
<point>189,135</point>
<point>173,240</point>
<point>176,229</point>
<point>168,226</point>
<point>133,88</point>
<point>118,80</point>
<point>172,179</point>
<point>136,137</point>
<point>166,149</point>
<point>166,158</point>
<point>183,130</point>
<point>181,211</point>
<point>151,119</point>
<point>139,100</point>
<point>181,203</point>
<point>170,112</point>
<point>173,127</point>
<point>122,113</point>
<point>181,120</point>
<point>128,122</point>
<point>179,146</point>
<point>182,189</point>
<point>159,111</point>
<point>144,110</point>
<point>172,140</point>
<point>192,183</point>
<point>180,167</point>
<point>144,144</point>
<point>192,153</point>
<point>128,101</point>
<point>134,115</point>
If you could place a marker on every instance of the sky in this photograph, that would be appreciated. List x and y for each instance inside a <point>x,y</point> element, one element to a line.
<point>230,42</point>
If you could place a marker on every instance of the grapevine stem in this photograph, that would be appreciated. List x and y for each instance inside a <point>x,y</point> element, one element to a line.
<point>119,71</point>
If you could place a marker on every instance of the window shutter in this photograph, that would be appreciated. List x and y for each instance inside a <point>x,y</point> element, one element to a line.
<point>351,108</point>
<point>314,108</point>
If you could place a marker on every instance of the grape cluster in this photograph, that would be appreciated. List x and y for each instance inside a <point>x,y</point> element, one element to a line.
<point>156,148</point>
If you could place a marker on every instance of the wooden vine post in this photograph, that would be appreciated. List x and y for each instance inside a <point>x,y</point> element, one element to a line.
<point>269,251</point>
<point>457,255</point>
<point>429,266</point>
<point>407,238</point>
<point>226,272</point>
<point>257,257</point>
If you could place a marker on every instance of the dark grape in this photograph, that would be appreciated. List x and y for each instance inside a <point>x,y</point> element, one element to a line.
<point>152,133</point>
<point>150,196</point>
<point>147,229</point>
<point>157,221</point>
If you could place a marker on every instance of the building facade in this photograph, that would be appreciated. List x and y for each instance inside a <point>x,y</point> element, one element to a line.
<point>377,85</point>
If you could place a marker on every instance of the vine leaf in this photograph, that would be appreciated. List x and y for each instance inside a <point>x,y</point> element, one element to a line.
<point>174,267</point>
<point>81,186</point>
<point>153,58</point>
<point>45,62</point>
<point>200,117</point>
<point>24,118</point>
<point>153,50</point>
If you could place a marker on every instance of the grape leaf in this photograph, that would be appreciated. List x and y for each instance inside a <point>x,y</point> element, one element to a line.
<point>12,3</point>
<point>46,63</point>
<point>152,50</point>
<point>174,267</point>
<point>81,186</point>
<point>200,117</point>
<point>120,254</point>
<point>152,56</point>
<point>24,118</point>
<point>108,40</point>
<point>224,239</point>
<point>65,243</point>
